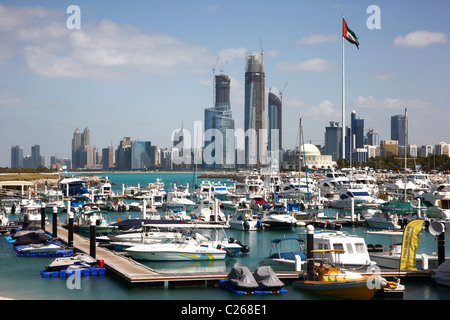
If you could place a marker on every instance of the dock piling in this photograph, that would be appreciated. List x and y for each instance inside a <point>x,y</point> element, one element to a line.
<point>92,238</point>
<point>43,216</point>
<point>70,233</point>
<point>309,254</point>
<point>55,222</point>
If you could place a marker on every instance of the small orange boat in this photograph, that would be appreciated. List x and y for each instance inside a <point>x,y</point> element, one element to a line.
<point>334,281</point>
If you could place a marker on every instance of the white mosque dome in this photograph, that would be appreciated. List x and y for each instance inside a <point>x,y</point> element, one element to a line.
<point>310,150</point>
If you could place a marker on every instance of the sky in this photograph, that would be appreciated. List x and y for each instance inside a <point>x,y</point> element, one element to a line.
<point>143,69</point>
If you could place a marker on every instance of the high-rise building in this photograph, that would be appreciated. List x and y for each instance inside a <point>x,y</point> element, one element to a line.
<point>219,146</point>
<point>333,140</point>
<point>16,157</point>
<point>141,155</point>
<point>275,125</point>
<point>36,156</point>
<point>254,110</point>
<point>123,154</point>
<point>399,125</point>
<point>108,158</point>
<point>76,149</point>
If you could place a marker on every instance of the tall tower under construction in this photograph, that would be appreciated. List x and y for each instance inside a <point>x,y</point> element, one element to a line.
<point>254,110</point>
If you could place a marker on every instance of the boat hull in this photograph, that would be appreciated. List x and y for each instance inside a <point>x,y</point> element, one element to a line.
<point>349,289</point>
<point>176,256</point>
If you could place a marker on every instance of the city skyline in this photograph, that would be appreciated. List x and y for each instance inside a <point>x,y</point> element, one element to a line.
<point>144,70</point>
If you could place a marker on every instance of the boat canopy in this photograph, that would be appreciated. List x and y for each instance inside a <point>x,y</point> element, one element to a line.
<point>278,240</point>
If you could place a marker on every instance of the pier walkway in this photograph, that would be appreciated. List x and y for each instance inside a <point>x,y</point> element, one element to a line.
<point>137,274</point>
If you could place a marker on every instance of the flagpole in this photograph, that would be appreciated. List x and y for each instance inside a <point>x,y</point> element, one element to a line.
<point>343,94</point>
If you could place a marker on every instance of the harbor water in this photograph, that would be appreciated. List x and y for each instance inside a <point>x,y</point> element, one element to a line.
<point>20,277</point>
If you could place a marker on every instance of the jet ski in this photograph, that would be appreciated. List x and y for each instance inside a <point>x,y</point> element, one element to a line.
<point>77,261</point>
<point>267,279</point>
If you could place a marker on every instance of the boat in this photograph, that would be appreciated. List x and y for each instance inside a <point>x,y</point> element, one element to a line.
<point>82,223</point>
<point>277,218</point>
<point>242,281</point>
<point>209,211</point>
<point>437,201</point>
<point>242,220</point>
<point>389,256</point>
<point>72,186</point>
<point>330,279</point>
<point>393,215</point>
<point>175,250</point>
<point>354,253</point>
<point>354,195</point>
<point>285,260</point>
<point>76,261</point>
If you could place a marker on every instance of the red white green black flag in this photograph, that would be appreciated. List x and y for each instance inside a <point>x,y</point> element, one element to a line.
<point>349,34</point>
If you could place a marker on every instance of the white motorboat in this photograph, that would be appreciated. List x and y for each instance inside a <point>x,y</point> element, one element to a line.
<point>437,201</point>
<point>388,256</point>
<point>209,211</point>
<point>355,253</point>
<point>277,218</point>
<point>175,250</point>
<point>242,220</point>
<point>289,260</point>
<point>357,194</point>
<point>383,220</point>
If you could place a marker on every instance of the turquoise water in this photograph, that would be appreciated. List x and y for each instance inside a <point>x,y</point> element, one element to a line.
<point>20,277</point>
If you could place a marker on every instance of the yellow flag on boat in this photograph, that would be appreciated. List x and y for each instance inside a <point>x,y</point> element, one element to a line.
<point>410,243</point>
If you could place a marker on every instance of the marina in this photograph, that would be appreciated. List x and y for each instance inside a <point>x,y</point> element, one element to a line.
<point>173,276</point>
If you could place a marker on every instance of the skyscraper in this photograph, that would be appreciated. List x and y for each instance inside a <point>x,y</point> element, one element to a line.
<point>218,120</point>
<point>16,157</point>
<point>275,125</point>
<point>254,109</point>
<point>333,140</point>
<point>398,129</point>
<point>36,156</point>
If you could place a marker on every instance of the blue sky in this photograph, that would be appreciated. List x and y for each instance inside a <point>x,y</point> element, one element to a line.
<point>144,68</point>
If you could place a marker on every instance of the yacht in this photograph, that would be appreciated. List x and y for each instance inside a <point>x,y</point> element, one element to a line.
<point>355,253</point>
<point>437,201</point>
<point>277,218</point>
<point>243,219</point>
<point>356,194</point>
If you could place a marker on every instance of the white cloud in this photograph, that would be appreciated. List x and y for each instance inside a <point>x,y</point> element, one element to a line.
<point>324,110</point>
<point>318,38</point>
<point>420,38</point>
<point>105,50</point>
<point>314,65</point>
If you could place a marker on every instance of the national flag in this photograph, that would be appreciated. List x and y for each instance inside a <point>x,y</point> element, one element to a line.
<point>349,34</point>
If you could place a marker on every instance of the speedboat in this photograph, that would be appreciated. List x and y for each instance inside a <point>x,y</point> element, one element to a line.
<point>175,250</point>
<point>331,280</point>
<point>77,261</point>
<point>242,220</point>
<point>284,260</point>
<point>277,218</point>
<point>209,211</point>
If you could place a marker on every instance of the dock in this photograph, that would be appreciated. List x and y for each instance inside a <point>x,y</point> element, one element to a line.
<point>136,274</point>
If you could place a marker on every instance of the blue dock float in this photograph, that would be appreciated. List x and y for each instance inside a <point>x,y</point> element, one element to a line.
<point>225,284</point>
<point>54,254</point>
<point>68,273</point>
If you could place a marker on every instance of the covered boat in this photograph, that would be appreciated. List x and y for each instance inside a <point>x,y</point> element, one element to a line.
<point>266,278</point>
<point>241,278</point>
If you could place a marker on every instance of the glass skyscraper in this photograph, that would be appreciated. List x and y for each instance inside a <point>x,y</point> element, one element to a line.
<point>398,129</point>
<point>275,126</point>
<point>254,109</point>
<point>219,145</point>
